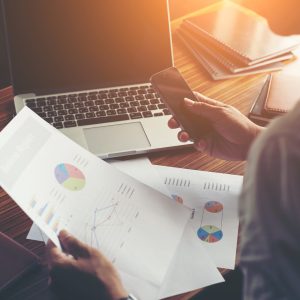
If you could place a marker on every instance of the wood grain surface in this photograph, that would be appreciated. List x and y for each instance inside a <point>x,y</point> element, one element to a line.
<point>239,92</point>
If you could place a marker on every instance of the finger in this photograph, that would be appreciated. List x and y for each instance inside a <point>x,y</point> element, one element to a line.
<point>210,112</point>
<point>183,136</point>
<point>207,100</point>
<point>201,145</point>
<point>72,245</point>
<point>173,124</point>
<point>54,254</point>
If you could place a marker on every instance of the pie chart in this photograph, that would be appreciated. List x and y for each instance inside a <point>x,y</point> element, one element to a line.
<point>69,177</point>
<point>210,234</point>
<point>213,206</point>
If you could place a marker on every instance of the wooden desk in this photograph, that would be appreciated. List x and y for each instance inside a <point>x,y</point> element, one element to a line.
<point>239,92</point>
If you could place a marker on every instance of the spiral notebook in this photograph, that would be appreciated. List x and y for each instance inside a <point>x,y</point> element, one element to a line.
<point>214,68</point>
<point>239,33</point>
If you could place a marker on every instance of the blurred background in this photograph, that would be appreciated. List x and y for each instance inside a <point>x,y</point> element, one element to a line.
<point>283,16</point>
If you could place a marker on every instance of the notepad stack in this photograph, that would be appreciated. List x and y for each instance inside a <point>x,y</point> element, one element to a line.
<point>231,41</point>
<point>282,95</point>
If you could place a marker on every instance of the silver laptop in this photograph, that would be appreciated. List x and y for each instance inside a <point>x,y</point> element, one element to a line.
<point>84,66</point>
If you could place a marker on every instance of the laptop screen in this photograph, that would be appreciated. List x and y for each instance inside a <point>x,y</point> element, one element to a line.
<point>65,45</point>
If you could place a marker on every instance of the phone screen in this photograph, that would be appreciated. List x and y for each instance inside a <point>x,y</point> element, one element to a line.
<point>172,88</point>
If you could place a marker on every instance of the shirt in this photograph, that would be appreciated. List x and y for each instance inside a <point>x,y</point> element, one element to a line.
<point>270,213</point>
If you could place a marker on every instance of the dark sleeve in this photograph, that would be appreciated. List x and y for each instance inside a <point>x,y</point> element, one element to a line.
<point>270,220</point>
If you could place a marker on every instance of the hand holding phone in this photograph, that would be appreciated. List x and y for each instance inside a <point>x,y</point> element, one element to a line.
<point>172,88</point>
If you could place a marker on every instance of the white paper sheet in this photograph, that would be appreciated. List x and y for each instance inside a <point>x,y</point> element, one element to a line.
<point>191,268</point>
<point>59,185</point>
<point>213,201</point>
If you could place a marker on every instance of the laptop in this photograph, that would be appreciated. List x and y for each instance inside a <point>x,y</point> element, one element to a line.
<point>84,66</point>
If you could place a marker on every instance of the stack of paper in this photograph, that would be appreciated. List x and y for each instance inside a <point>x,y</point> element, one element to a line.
<point>60,185</point>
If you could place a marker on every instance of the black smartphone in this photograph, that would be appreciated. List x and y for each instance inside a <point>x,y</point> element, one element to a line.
<point>172,88</point>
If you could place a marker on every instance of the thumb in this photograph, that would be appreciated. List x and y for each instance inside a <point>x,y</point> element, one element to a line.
<point>210,112</point>
<point>73,246</point>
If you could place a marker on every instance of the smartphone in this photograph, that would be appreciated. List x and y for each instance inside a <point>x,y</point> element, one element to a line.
<point>172,88</point>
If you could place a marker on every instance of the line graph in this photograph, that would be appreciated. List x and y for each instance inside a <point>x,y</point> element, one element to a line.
<point>111,219</point>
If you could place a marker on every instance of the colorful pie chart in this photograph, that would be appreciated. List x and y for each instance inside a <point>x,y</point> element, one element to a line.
<point>210,234</point>
<point>69,177</point>
<point>213,206</point>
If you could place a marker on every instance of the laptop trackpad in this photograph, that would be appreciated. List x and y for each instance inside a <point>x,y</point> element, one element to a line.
<point>116,138</point>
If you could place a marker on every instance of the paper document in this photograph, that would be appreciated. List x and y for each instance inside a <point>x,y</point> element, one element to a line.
<point>60,185</point>
<point>191,267</point>
<point>213,202</point>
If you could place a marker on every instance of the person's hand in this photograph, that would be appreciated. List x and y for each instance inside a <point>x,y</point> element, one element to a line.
<point>232,134</point>
<point>82,272</point>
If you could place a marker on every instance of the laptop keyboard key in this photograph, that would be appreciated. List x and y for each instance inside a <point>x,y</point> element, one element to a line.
<point>69,124</point>
<point>158,114</point>
<point>154,101</point>
<point>51,114</point>
<point>102,96</point>
<point>41,103</point>
<point>99,102</point>
<point>42,114</point>
<point>121,111</point>
<point>31,105</point>
<point>58,125</point>
<point>73,111</point>
<point>140,97</point>
<point>104,107</point>
<point>131,109</point>
<point>62,112</point>
<point>58,119</point>
<point>124,105</point>
<point>112,95</point>
<point>90,115</point>
<point>89,103</point>
<point>130,98</point>
<point>79,116</point>
<point>100,120</point>
<point>147,114</point>
<point>111,112</point>
<point>83,110</point>
<point>134,103</point>
<point>62,101</point>
<point>136,115</point>
<point>114,106</point>
<point>109,101</point>
<point>78,105</point>
<point>37,109</point>
<point>94,108</point>
<point>101,113</point>
<point>49,120</point>
<point>144,102</point>
<point>161,106</point>
<point>69,118</point>
<point>142,108</point>
<point>119,100</point>
<point>152,107</point>
<point>166,112</point>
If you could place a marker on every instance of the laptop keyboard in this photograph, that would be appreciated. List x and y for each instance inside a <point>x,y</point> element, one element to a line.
<point>96,107</point>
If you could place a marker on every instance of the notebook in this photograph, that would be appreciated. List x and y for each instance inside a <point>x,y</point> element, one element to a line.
<point>15,261</point>
<point>278,96</point>
<point>229,62</point>
<point>214,67</point>
<point>239,33</point>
